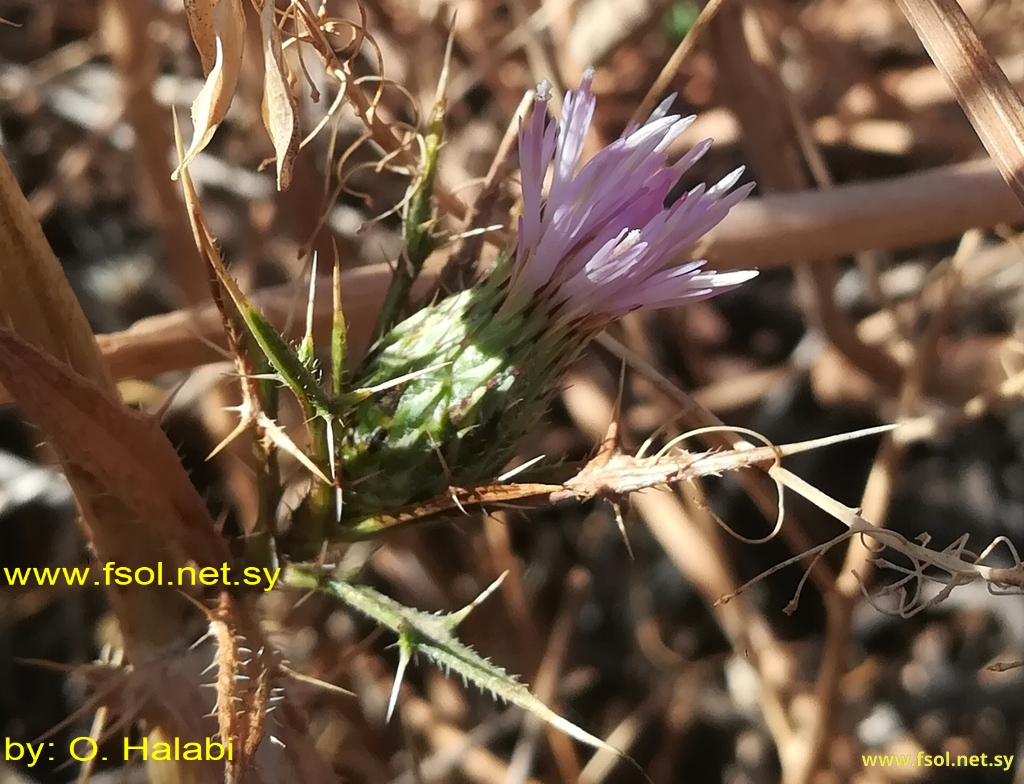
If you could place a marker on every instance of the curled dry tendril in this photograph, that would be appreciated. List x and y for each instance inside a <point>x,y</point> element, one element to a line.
<point>948,568</point>
<point>669,447</point>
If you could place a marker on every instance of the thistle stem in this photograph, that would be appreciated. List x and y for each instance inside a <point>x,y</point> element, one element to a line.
<point>417,224</point>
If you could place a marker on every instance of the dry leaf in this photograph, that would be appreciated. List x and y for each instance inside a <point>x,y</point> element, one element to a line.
<point>279,104</point>
<point>36,302</point>
<point>224,22</point>
<point>125,450</point>
<point>200,15</point>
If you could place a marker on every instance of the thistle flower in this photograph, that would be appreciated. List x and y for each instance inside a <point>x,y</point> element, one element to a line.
<point>606,241</point>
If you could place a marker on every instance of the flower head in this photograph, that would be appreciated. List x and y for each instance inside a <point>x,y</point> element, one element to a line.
<point>483,364</point>
<point>608,238</point>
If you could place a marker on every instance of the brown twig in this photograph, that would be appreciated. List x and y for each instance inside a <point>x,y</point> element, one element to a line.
<point>979,84</point>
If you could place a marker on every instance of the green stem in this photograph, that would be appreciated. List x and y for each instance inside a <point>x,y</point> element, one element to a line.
<point>419,241</point>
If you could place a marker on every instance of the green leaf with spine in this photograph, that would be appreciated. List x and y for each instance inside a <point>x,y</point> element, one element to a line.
<point>433,637</point>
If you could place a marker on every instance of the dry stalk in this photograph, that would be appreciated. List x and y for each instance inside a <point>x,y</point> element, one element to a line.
<point>977,81</point>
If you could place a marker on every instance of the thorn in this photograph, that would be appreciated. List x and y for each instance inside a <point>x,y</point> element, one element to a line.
<point>310,680</point>
<point>454,619</point>
<point>201,640</point>
<point>453,492</point>
<point>210,668</point>
<point>403,662</point>
<point>519,469</point>
<point>282,441</point>
<point>365,392</point>
<point>276,377</point>
<point>621,523</point>
<point>243,424</point>
<point>277,742</point>
<point>332,461</point>
<point>308,338</point>
<point>166,404</point>
<point>442,79</point>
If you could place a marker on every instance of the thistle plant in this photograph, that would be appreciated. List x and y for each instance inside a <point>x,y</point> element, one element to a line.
<point>443,398</point>
<point>484,363</point>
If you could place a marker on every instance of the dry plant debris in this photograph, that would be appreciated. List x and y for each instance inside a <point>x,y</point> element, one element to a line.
<point>315,289</point>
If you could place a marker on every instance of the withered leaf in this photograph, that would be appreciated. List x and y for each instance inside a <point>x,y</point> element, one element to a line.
<point>125,450</point>
<point>223,22</point>
<point>200,23</point>
<point>279,103</point>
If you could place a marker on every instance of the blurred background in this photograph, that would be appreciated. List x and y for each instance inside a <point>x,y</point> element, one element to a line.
<point>891,288</point>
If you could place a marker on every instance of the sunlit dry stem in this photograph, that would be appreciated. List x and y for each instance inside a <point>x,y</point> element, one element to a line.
<point>609,475</point>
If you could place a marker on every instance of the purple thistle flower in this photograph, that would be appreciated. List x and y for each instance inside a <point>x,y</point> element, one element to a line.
<point>484,363</point>
<point>602,243</point>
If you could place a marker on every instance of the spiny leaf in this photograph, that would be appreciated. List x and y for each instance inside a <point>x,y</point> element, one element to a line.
<point>609,475</point>
<point>245,664</point>
<point>417,226</point>
<point>420,242</point>
<point>432,636</point>
<point>276,349</point>
<point>281,356</point>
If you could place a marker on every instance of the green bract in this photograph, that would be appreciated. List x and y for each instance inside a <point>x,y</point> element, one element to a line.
<point>482,380</point>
